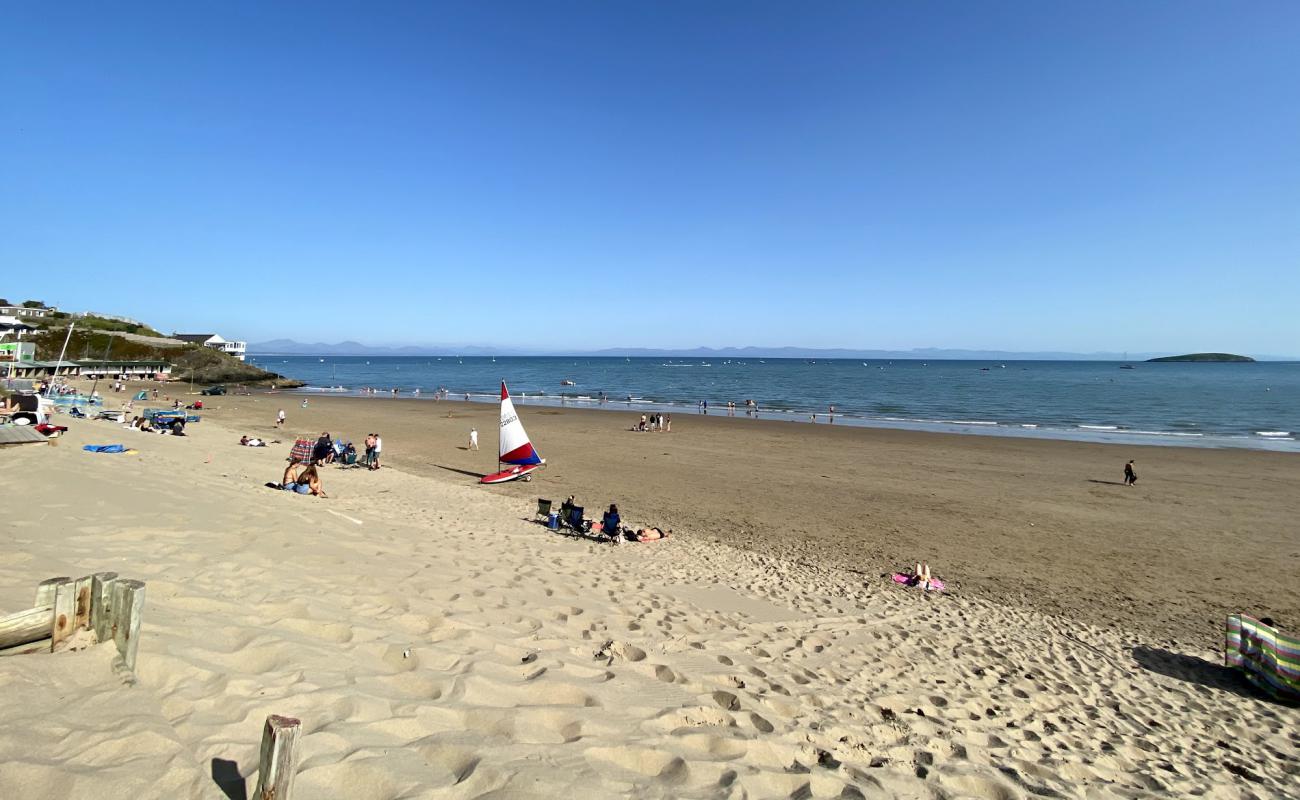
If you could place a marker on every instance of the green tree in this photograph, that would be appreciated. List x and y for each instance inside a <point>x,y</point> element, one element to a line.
<point>33,304</point>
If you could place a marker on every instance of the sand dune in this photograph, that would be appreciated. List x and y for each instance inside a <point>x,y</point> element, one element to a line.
<point>437,643</point>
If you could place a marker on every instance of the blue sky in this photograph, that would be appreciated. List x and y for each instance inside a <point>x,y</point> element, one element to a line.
<point>1026,176</point>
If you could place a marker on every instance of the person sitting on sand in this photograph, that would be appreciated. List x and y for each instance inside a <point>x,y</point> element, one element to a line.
<point>652,534</point>
<point>610,523</point>
<point>305,482</point>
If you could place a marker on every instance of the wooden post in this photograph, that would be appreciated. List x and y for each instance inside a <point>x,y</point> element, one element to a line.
<point>45,591</point>
<point>128,607</point>
<point>81,619</point>
<point>38,646</point>
<point>279,763</point>
<point>101,600</point>
<point>65,612</point>
<point>25,627</point>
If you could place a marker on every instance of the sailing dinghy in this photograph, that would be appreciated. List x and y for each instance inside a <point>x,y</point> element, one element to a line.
<point>514,448</point>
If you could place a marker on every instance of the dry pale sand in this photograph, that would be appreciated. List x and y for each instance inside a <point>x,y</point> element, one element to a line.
<point>436,643</point>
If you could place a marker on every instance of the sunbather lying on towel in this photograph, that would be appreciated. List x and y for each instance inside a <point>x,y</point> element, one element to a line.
<point>652,534</point>
<point>306,482</point>
<point>920,576</point>
<point>247,442</point>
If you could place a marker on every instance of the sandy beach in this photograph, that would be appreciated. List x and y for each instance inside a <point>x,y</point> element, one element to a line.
<point>1046,525</point>
<point>437,643</point>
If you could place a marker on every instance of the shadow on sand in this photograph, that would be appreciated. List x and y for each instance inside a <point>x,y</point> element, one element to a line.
<point>225,774</point>
<point>461,471</point>
<point>1195,670</point>
<point>1107,483</point>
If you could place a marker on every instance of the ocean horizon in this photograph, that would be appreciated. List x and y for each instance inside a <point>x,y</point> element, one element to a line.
<point>1250,405</point>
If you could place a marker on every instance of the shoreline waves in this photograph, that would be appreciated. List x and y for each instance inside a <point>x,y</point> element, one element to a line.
<point>1253,406</point>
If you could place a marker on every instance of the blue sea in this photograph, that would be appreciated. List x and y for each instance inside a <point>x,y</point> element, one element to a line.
<point>1255,405</point>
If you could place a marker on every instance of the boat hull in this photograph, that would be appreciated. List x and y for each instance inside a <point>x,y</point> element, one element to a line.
<point>511,474</point>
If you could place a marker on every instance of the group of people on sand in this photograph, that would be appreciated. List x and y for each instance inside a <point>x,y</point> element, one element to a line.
<point>655,422</point>
<point>610,525</point>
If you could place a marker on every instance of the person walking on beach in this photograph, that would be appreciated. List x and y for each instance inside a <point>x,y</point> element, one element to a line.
<point>473,438</point>
<point>1130,476</point>
<point>668,423</point>
<point>279,418</point>
<point>379,447</point>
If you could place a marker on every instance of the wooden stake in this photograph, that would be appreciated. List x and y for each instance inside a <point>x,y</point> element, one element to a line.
<point>128,607</point>
<point>65,612</point>
<point>101,600</point>
<point>278,765</point>
<point>25,627</point>
<point>38,646</point>
<point>45,591</point>
<point>81,619</point>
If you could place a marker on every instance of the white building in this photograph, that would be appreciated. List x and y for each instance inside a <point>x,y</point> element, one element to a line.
<point>214,341</point>
<point>23,311</point>
<point>13,325</point>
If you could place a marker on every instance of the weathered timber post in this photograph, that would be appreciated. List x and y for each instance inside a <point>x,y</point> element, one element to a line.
<point>65,612</point>
<point>25,627</point>
<point>45,591</point>
<point>101,600</point>
<point>279,762</point>
<point>125,616</point>
<point>81,619</point>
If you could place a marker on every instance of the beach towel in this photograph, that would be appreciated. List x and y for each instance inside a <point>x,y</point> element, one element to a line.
<point>936,585</point>
<point>104,448</point>
<point>1268,659</point>
<point>301,452</point>
<point>142,396</point>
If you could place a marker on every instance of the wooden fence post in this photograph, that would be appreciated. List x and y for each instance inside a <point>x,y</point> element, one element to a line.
<point>65,612</point>
<point>23,628</point>
<point>128,607</point>
<point>82,593</point>
<point>279,762</point>
<point>101,600</point>
<point>45,591</point>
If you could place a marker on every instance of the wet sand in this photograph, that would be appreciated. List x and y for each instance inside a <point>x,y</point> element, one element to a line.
<point>1046,525</point>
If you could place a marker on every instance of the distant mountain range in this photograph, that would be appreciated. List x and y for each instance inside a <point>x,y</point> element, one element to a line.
<point>349,348</point>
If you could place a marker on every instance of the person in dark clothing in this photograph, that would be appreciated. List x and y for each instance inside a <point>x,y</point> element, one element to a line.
<point>1130,477</point>
<point>324,449</point>
<point>610,524</point>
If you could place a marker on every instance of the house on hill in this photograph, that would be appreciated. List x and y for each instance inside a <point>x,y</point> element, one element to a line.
<point>13,325</point>
<point>215,342</point>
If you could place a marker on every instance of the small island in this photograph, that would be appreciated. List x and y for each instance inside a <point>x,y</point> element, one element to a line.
<point>1204,357</point>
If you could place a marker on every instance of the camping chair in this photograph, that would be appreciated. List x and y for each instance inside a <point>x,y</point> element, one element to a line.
<point>609,526</point>
<point>347,459</point>
<point>543,508</point>
<point>76,413</point>
<point>575,520</point>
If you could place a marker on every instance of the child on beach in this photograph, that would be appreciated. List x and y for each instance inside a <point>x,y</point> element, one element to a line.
<point>279,418</point>
<point>1130,476</point>
<point>473,438</point>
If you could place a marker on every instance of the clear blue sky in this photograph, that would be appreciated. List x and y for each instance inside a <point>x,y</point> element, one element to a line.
<point>1019,175</point>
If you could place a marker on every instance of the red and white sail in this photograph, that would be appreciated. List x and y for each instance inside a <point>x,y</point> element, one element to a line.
<point>515,447</point>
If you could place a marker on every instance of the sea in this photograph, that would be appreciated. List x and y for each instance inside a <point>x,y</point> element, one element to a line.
<point>1251,405</point>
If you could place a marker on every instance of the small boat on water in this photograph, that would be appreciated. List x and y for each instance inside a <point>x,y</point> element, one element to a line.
<point>567,382</point>
<point>1127,366</point>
